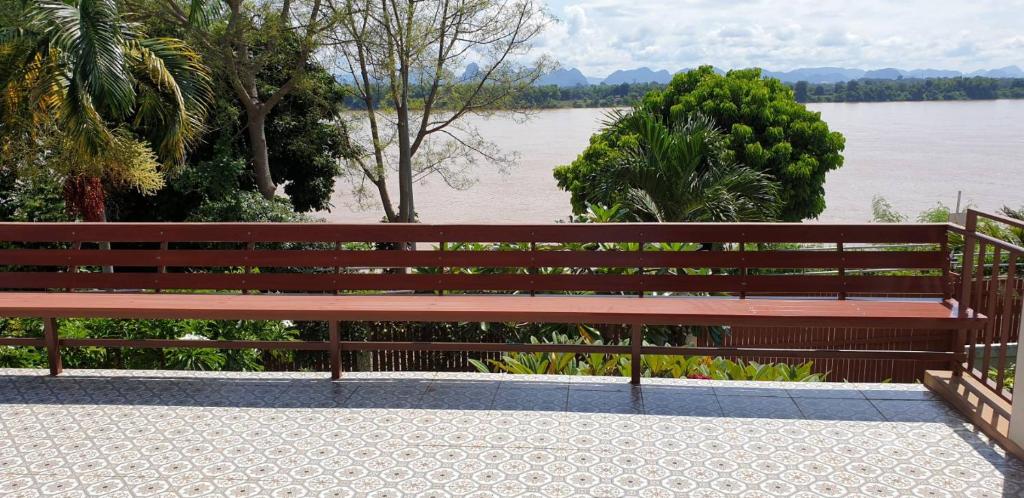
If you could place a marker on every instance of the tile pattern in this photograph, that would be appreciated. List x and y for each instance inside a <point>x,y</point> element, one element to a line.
<point>112,433</point>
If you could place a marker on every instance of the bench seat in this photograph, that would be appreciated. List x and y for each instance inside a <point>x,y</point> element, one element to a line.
<point>910,314</point>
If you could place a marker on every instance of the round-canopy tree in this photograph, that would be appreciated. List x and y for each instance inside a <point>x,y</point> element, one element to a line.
<point>766,130</point>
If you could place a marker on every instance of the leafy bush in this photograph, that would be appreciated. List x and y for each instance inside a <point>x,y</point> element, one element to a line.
<point>670,366</point>
<point>171,358</point>
<point>1008,378</point>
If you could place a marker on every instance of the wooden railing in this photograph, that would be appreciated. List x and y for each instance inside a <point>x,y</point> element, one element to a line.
<point>991,281</point>
<point>747,260</point>
<point>631,257</point>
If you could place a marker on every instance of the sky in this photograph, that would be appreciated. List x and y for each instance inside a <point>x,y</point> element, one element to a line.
<point>600,36</point>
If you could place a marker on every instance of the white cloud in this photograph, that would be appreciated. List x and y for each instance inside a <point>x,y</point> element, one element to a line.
<point>735,32</point>
<point>599,36</point>
<point>835,37</point>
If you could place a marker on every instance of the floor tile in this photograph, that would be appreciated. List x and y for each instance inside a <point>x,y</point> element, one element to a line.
<point>747,392</point>
<point>602,401</point>
<point>838,409</point>
<point>901,394</point>
<point>298,434</point>
<point>849,393</point>
<point>897,410</point>
<point>693,405</point>
<point>759,407</point>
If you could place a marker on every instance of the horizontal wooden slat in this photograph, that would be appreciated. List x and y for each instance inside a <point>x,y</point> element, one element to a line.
<point>741,352</point>
<point>395,232</point>
<point>800,353</point>
<point>480,347</point>
<point>492,259</point>
<point>473,282</point>
<point>22,341</point>
<point>918,314</point>
<point>1013,222</point>
<point>192,343</point>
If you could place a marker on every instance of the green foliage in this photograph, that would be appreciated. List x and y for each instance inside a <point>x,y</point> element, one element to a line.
<point>247,206</point>
<point>16,357</point>
<point>884,212</point>
<point>1010,375</point>
<point>553,96</point>
<point>171,358</point>
<point>685,173</point>
<point>31,197</point>
<point>306,141</point>
<point>1017,214</point>
<point>630,94</point>
<point>870,90</point>
<point>307,138</point>
<point>693,367</point>
<point>767,131</point>
<point>99,96</point>
<point>21,357</point>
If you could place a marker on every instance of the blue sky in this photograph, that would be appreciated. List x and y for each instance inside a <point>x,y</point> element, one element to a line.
<point>599,36</point>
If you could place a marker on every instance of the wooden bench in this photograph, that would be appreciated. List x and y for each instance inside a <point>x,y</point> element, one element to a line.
<point>823,275</point>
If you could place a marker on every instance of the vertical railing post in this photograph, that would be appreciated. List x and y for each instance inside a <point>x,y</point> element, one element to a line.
<point>249,248</point>
<point>533,270</point>
<point>636,341</point>
<point>1016,430</point>
<point>967,262</point>
<point>1006,320</point>
<point>161,269</point>
<point>947,281</point>
<point>334,334</point>
<point>841,270</point>
<point>52,346</point>
<point>640,268</point>
<point>73,267</point>
<point>743,270</point>
<point>442,247</point>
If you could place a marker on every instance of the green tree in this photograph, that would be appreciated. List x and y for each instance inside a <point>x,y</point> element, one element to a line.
<point>766,130</point>
<point>91,99</point>
<point>685,173</point>
<point>306,138</point>
<point>407,61</point>
<point>800,91</point>
<point>244,40</point>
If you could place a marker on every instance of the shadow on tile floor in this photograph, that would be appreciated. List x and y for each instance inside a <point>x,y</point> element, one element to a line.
<point>615,396</point>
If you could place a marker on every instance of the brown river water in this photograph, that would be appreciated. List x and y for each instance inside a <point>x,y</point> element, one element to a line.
<point>915,154</point>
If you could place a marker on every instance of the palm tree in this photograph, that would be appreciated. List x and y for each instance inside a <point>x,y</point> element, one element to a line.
<point>104,103</point>
<point>684,172</point>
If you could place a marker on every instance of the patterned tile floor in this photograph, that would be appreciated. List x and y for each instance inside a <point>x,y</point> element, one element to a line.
<point>110,433</point>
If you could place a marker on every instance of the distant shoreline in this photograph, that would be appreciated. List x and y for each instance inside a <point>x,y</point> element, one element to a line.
<point>620,106</point>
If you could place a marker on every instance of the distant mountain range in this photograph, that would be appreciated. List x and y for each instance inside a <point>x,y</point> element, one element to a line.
<point>837,74</point>
<point>573,77</point>
<point>640,75</point>
<point>564,78</point>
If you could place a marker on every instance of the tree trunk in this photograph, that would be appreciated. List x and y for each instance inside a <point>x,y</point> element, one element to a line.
<point>260,154</point>
<point>406,206</point>
<point>385,198</point>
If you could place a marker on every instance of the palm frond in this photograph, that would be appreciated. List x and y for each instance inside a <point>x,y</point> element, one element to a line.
<point>202,13</point>
<point>641,202</point>
<point>174,92</point>
<point>682,173</point>
<point>89,33</point>
<point>79,119</point>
